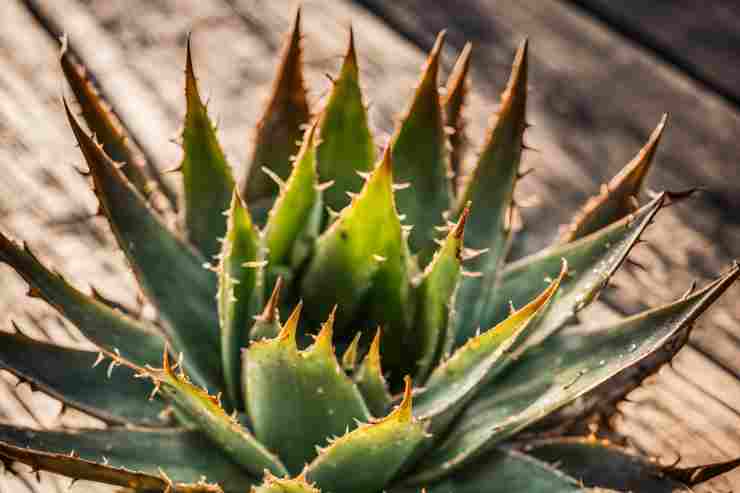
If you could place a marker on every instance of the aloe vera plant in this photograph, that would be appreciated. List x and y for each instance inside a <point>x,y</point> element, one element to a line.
<point>411,358</point>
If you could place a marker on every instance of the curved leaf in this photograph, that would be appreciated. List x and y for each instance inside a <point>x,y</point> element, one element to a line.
<point>561,369</point>
<point>419,148</point>
<point>491,189</point>
<point>103,325</point>
<point>366,458</point>
<point>279,129</point>
<point>505,471</point>
<point>299,399</point>
<point>618,197</point>
<point>598,463</point>
<point>162,263</point>
<point>345,143</point>
<point>207,179</point>
<point>68,375</point>
<point>239,291</point>
<point>453,383</point>
<point>592,262</point>
<point>208,415</point>
<point>146,460</point>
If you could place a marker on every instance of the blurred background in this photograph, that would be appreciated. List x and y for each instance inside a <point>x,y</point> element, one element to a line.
<point>602,74</point>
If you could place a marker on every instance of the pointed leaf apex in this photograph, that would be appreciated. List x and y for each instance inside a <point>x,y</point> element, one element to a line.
<point>516,88</point>
<point>459,74</point>
<point>323,341</point>
<point>350,58</point>
<point>373,355</point>
<point>637,169</point>
<point>404,410</point>
<point>192,95</point>
<point>459,230</point>
<point>695,475</point>
<point>270,311</point>
<point>349,358</point>
<point>431,68</point>
<point>288,332</point>
<point>386,163</point>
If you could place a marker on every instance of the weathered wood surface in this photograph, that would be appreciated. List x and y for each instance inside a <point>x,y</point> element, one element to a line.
<point>595,98</point>
<point>702,40</point>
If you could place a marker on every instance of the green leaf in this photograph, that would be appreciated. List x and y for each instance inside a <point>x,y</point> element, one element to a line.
<point>561,369</point>
<point>267,324</point>
<point>103,325</point>
<point>454,382</point>
<point>598,463</point>
<point>100,121</point>
<point>279,129</point>
<point>294,221</point>
<point>504,471</point>
<point>142,459</point>
<point>456,92</point>
<point>436,295</point>
<point>68,375</point>
<point>371,382</point>
<point>362,263</point>
<point>207,179</point>
<point>239,291</point>
<point>162,264</point>
<point>367,458</point>
<point>491,189</point>
<point>208,415</point>
<point>345,143</point>
<point>299,399</point>
<point>419,148</point>
<point>619,196</point>
<point>592,261</point>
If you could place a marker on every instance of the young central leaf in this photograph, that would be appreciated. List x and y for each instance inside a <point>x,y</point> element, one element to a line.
<point>361,263</point>
<point>298,400</point>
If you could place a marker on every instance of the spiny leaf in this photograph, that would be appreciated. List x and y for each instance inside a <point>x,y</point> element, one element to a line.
<point>66,374</point>
<point>273,484</point>
<point>619,196</point>
<point>419,147</point>
<point>239,291</point>
<point>436,295</point>
<point>505,471</point>
<point>371,382</point>
<point>207,413</point>
<point>599,463</point>
<point>142,459</point>
<point>349,358</point>
<point>101,123</point>
<point>700,474</point>
<point>368,457</point>
<point>561,369</point>
<point>491,189</point>
<point>592,260</point>
<point>456,91</point>
<point>453,383</point>
<point>207,179</point>
<point>362,262</point>
<point>299,399</point>
<point>267,324</point>
<point>161,262</point>
<point>293,222</point>
<point>106,327</point>
<point>280,126</point>
<point>345,143</point>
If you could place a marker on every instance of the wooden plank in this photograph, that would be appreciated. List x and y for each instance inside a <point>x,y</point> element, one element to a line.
<point>700,39</point>
<point>235,46</point>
